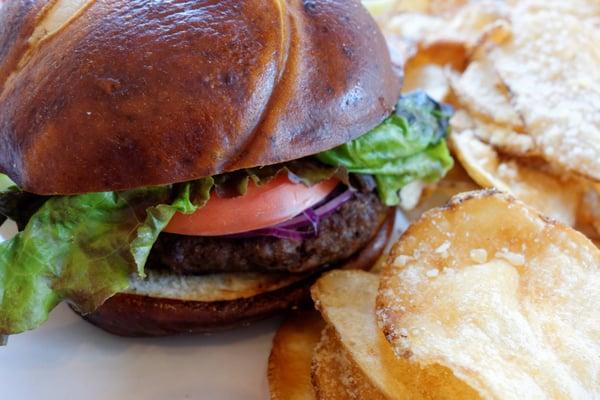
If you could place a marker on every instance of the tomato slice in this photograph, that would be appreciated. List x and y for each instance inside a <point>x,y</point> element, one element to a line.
<point>261,207</point>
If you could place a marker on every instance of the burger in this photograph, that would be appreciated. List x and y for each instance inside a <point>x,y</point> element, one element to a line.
<point>180,167</point>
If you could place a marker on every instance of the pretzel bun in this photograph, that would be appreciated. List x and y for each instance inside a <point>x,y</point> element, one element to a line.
<point>116,94</point>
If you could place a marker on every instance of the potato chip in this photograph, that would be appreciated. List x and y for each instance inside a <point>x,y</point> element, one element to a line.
<point>579,8</point>
<point>379,8</point>
<point>550,66</point>
<point>448,54</point>
<point>425,37</point>
<point>431,7</point>
<point>589,212</point>
<point>505,298</point>
<point>445,7</point>
<point>503,138</point>
<point>594,205</point>
<point>483,94</point>
<point>334,374</point>
<point>426,68</point>
<point>556,198</point>
<point>446,22</point>
<point>355,315</point>
<point>346,300</point>
<point>430,78</point>
<point>328,368</point>
<point>289,370</point>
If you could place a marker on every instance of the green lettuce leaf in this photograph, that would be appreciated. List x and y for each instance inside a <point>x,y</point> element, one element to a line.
<point>191,197</point>
<point>83,249</point>
<point>407,146</point>
<point>6,183</point>
<point>308,171</point>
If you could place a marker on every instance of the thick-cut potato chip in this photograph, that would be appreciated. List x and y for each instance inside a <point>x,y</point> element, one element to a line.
<point>346,300</point>
<point>556,198</point>
<point>594,204</point>
<point>457,22</point>
<point>428,36</point>
<point>533,84</point>
<point>589,212</point>
<point>448,54</point>
<point>445,7</point>
<point>503,138</point>
<point>426,68</point>
<point>328,369</point>
<point>550,66</point>
<point>481,91</point>
<point>379,7</point>
<point>505,298</point>
<point>420,6</point>
<point>430,78</point>
<point>578,8</point>
<point>289,370</point>
<point>432,36</point>
<point>335,376</point>
<point>431,7</point>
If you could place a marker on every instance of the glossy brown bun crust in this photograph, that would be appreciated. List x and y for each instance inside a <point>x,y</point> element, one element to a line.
<point>135,315</point>
<point>128,93</point>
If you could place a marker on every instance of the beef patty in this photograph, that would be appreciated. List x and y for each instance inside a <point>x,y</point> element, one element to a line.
<point>340,235</point>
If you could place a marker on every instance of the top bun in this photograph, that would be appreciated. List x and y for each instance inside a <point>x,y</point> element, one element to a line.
<point>100,95</point>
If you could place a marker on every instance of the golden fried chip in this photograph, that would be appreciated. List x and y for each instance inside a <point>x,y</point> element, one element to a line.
<point>480,90</point>
<point>504,138</point>
<point>451,22</point>
<point>420,6</point>
<point>335,375</point>
<point>556,198</point>
<point>328,368</point>
<point>588,218</point>
<point>445,7</point>
<point>380,8</point>
<point>450,54</point>
<point>289,370</point>
<point>426,36</point>
<point>505,298</point>
<point>594,205</point>
<point>346,300</point>
<point>426,68</point>
<point>578,8</point>
<point>551,67</point>
<point>430,78</point>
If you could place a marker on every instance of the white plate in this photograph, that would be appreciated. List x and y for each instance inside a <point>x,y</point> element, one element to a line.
<point>68,358</point>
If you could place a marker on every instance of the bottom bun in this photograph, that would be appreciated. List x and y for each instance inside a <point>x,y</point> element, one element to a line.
<point>130,314</point>
<point>133,315</point>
